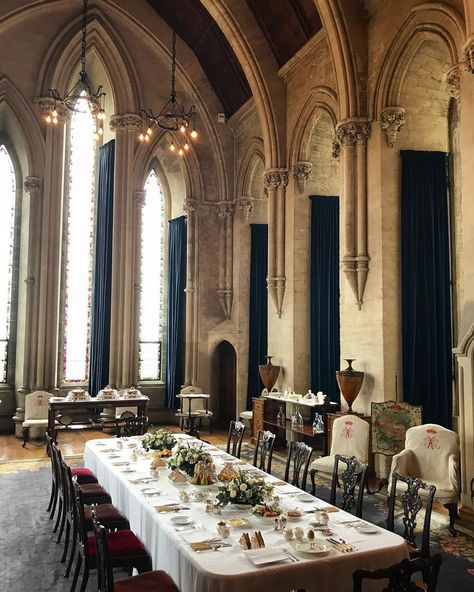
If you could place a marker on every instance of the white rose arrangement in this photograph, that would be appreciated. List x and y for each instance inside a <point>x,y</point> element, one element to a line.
<point>244,489</point>
<point>186,456</point>
<point>160,440</point>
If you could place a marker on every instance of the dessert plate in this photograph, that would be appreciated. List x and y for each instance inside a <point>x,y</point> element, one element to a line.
<point>181,520</point>
<point>305,497</point>
<point>366,528</point>
<point>313,548</point>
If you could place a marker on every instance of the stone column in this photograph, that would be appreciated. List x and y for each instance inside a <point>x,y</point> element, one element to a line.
<point>190,355</point>
<point>352,136</point>
<point>123,342</point>
<point>47,282</point>
<point>275,183</point>
<point>225,292</point>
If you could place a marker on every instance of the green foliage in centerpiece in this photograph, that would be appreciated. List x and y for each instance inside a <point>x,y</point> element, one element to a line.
<point>186,456</point>
<point>244,489</point>
<point>160,440</point>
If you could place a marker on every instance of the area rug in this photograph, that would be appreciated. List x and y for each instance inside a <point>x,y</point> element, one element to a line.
<point>30,555</point>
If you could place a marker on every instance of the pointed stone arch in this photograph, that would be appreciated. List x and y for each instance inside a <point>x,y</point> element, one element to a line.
<point>24,119</point>
<point>253,152</point>
<point>426,21</point>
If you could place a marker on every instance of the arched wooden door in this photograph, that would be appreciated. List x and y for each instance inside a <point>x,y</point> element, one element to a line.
<point>224,383</point>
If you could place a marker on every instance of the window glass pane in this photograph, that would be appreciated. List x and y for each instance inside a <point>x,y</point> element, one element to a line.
<point>7,221</point>
<point>79,246</point>
<point>151,282</point>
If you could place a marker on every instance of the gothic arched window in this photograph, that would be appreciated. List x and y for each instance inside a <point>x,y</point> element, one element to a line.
<point>152,280</point>
<point>79,231</point>
<point>7,228</point>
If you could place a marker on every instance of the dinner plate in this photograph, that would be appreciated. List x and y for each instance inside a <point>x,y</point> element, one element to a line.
<point>366,528</point>
<point>150,491</point>
<point>305,497</point>
<point>128,470</point>
<point>181,520</point>
<point>313,548</point>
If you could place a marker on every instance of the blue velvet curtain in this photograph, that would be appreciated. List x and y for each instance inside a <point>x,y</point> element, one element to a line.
<point>426,293</point>
<point>102,278</point>
<point>258,308</point>
<point>175,335</point>
<point>324,305</point>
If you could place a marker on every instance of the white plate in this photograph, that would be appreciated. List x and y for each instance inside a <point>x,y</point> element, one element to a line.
<point>314,548</point>
<point>266,556</point>
<point>238,523</point>
<point>366,528</point>
<point>150,491</point>
<point>264,519</point>
<point>305,497</point>
<point>242,506</point>
<point>181,520</point>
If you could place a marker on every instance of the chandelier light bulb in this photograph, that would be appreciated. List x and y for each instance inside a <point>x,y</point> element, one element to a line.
<point>96,136</point>
<point>141,137</point>
<point>55,120</point>
<point>180,152</point>
<point>148,131</point>
<point>172,147</point>
<point>48,119</point>
<point>182,129</point>
<point>186,146</point>
<point>194,134</point>
<point>147,138</point>
<point>54,113</point>
<point>100,131</point>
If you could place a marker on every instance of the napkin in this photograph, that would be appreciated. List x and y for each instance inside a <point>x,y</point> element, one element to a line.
<point>167,508</point>
<point>120,463</point>
<point>201,535</point>
<point>276,483</point>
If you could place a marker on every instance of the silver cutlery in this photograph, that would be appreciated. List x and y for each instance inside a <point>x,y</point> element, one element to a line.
<point>292,557</point>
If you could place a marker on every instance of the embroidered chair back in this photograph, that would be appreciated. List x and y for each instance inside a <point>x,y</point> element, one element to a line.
<point>390,421</point>
<point>36,405</point>
<point>350,437</point>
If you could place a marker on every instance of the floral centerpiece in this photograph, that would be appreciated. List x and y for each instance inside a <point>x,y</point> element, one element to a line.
<point>186,456</point>
<point>244,489</point>
<point>160,440</point>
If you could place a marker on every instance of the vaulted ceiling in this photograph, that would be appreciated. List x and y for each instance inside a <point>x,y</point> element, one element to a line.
<point>286,24</point>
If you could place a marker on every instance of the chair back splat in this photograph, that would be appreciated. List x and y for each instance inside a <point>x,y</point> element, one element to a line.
<point>235,438</point>
<point>354,475</point>
<point>299,455</point>
<point>263,454</point>
<point>411,492</point>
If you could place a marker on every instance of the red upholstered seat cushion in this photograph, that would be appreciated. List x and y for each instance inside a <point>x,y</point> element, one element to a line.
<point>159,581</point>
<point>108,515</point>
<point>93,493</point>
<point>122,543</point>
<point>84,475</point>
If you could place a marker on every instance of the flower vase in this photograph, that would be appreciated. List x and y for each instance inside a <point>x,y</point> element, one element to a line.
<point>350,382</point>
<point>269,373</point>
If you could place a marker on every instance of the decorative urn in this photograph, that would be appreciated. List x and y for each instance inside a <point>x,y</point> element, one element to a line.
<point>350,382</point>
<point>269,373</point>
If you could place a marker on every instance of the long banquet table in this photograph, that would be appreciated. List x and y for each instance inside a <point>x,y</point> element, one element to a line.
<point>228,569</point>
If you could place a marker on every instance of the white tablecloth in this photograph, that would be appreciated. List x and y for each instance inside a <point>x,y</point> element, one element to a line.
<point>228,569</point>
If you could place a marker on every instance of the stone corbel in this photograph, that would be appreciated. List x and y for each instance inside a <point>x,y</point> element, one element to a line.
<point>353,135</point>
<point>453,81</point>
<point>33,186</point>
<point>189,206</point>
<point>140,198</point>
<point>336,149</point>
<point>301,174</point>
<point>392,119</point>
<point>469,56</point>
<point>225,291</point>
<point>129,122</point>
<point>275,183</point>
<point>246,205</point>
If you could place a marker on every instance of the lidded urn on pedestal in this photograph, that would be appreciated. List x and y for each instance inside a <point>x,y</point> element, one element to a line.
<point>350,382</point>
<point>269,373</point>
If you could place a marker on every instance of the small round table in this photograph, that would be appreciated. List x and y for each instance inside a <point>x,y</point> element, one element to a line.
<point>190,415</point>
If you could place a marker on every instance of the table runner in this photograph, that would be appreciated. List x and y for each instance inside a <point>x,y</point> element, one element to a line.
<point>228,570</point>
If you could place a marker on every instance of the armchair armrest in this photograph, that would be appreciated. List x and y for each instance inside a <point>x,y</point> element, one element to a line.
<point>453,473</point>
<point>401,463</point>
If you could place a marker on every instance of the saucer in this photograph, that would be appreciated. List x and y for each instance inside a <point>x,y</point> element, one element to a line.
<point>366,528</point>
<point>181,520</point>
<point>305,497</point>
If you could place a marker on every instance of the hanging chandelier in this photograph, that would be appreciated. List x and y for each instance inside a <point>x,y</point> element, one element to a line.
<point>81,98</point>
<point>173,117</point>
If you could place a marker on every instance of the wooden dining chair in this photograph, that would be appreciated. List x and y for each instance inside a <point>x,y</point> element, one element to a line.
<point>235,438</point>
<point>400,575</point>
<point>352,477</point>
<point>263,455</point>
<point>131,425</point>
<point>412,493</point>
<point>126,549</point>
<point>158,581</point>
<point>299,457</point>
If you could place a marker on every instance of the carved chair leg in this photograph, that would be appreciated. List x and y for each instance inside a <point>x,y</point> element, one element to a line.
<point>73,552</point>
<point>453,516</point>
<point>77,571</point>
<point>25,432</point>
<point>313,484</point>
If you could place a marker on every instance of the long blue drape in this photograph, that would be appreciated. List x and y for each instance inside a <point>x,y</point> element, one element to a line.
<point>426,293</point>
<point>102,278</point>
<point>324,306</point>
<point>258,308</point>
<point>176,309</point>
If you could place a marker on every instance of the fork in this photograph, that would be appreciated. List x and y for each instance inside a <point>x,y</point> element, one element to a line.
<point>292,557</point>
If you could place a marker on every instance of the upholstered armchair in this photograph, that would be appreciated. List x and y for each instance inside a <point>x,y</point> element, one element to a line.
<point>350,437</point>
<point>432,454</point>
<point>36,412</point>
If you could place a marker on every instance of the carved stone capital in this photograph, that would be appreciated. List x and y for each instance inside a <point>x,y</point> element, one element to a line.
<point>129,122</point>
<point>225,209</point>
<point>29,281</point>
<point>275,179</point>
<point>47,104</point>
<point>33,186</point>
<point>140,198</point>
<point>336,149</point>
<point>301,174</point>
<point>246,205</point>
<point>189,205</point>
<point>453,81</point>
<point>351,133</point>
<point>392,119</point>
<point>469,56</point>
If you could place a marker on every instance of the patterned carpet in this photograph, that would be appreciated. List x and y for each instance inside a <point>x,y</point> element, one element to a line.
<point>31,557</point>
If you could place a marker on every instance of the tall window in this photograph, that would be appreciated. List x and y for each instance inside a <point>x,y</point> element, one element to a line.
<point>79,246</point>
<point>7,221</point>
<point>152,280</point>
